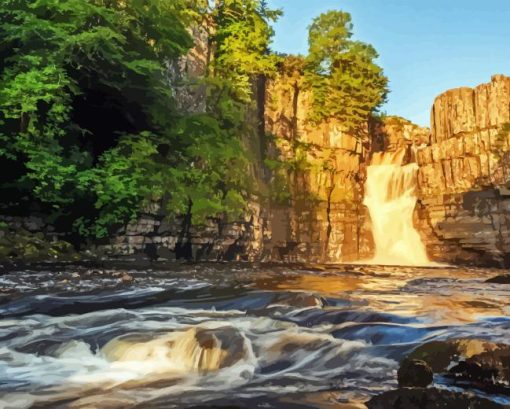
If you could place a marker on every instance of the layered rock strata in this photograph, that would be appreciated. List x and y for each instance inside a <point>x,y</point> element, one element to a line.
<point>464,173</point>
<point>322,166</point>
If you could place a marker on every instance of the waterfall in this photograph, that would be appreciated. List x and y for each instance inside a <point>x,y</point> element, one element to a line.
<point>391,198</point>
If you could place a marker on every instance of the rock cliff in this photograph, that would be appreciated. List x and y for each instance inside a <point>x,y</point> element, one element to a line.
<point>312,177</point>
<point>323,219</point>
<point>315,175</point>
<point>464,174</point>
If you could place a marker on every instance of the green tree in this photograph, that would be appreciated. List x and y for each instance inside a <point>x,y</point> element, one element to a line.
<point>346,82</point>
<point>242,38</point>
<point>88,120</point>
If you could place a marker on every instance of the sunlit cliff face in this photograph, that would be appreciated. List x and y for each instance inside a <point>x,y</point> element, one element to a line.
<point>390,198</point>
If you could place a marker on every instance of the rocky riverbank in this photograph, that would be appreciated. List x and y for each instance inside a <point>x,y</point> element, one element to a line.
<point>462,364</point>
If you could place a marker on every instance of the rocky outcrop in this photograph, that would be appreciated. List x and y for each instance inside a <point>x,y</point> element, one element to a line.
<point>500,279</point>
<point>322,167</point>
<point>392,133</point>
<point>414,373</point>
<point>31,239</point>
<point>153,237</point>
<point>315,184</point>
<point>470,364</point>
<point>310,207</point>
<point>464,175</point>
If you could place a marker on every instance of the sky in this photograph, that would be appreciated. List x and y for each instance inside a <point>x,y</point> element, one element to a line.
<point>426,46</point>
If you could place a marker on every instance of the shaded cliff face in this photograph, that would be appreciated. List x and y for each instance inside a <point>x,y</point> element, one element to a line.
<point>323,219</point>
<point>464,203</point>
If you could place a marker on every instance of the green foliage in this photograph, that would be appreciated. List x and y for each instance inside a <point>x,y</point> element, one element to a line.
<point>212,183</point>
<point>346,82</point>
<point>280,191</point>
<point>89,123</point>
<point>242,42</point>
<point>88,118</point>
<point>19,244</point>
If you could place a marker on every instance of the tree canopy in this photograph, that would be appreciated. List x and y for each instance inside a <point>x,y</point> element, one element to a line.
<point>89,124</point>
<point>91,128</point>
<point>346,82</point>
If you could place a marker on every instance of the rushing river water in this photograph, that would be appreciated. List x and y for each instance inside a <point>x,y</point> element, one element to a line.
<point>253,336</point>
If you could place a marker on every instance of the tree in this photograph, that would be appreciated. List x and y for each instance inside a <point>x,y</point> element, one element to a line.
<point>346,82</point>
<point>242,39</point>
<point>88,120</point>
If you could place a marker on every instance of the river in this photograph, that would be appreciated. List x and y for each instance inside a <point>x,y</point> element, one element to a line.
<point>242,335</point>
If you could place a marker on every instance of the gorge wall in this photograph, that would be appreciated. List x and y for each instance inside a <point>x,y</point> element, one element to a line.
<point>314,176</point>
<point>323,219</point>
<point>311,180</point>
<point>310,204</point>
<point>463,210</point>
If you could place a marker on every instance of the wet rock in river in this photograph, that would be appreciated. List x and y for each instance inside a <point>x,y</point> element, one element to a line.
<point>440,355</point>
<point>500,279</point>
<point>298,300</point>
<point>413,372</point>
<point>430,398</point>
<point>474,372</point>
<point>487,370</point>
<point>228,341</point>
<point>469,363</point>
<point>199,350</point>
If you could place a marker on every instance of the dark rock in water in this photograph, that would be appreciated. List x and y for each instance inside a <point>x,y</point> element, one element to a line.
<point>473,371</point>
<point>488,371</point>
<point>413,372</point>
<point>501,279</point>
<point>299,300</point>
<point>439,355</point>
<point>498,361</point>
<point>430,398</point>
<point>470,363</point>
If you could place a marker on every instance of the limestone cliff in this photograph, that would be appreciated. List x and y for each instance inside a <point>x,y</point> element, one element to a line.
<point>312,184</point>
<point>392,132</point>
<point>464,173</point>
<point>323,217</point>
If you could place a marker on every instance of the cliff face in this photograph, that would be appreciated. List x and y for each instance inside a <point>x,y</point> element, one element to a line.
<point>313,207</point>
<point>393,132</point>
<point>323,218</point>
<point>464,203</point>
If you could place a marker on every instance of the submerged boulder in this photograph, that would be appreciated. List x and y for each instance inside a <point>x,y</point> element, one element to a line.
<point>489,370</point>
<point>196,349</point>
<point>127,278</point>
<point>413,372</point>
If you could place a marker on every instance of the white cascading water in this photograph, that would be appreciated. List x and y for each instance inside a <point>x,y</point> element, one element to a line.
<point>391,198</point>
<point>178,353</point>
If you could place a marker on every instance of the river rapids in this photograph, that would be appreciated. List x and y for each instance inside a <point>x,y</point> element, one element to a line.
<point>224,335</point>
